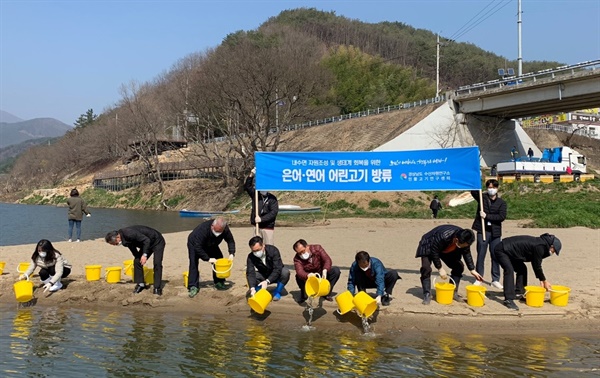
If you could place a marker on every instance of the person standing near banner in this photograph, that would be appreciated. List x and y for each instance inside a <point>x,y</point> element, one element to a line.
<point>491,212</point>
<point>264,215</point>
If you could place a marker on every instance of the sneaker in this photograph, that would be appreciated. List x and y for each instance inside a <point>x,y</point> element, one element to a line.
<point>158,291</point>
<point>276,296</point>
<point>477,283</point>
<point>426,299</point>
<point>385,300</point>
<point>77,241</point>
<point>139,288</point>
<point>302,300</point>
<point>510,304</point>
<point>497,285</point>
<point>521,298</point>
<point>56,287</point>
<point>70,240</point>
<point>193,292</point>
<point>220,286</point>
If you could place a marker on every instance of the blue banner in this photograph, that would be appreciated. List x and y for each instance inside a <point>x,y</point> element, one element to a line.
<point>443,169</point>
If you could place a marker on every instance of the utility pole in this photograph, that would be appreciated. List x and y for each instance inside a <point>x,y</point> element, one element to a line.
<point>437,68</point>
<point>520,58</point>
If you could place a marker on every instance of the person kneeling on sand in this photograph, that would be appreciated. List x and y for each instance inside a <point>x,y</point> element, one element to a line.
<point>368,272</point>
<point>143,242</point>
<point>512,254</point>
<point>53,266</point>
<point>449,244</point>
<point>264,267</point>
<point>310,260</point>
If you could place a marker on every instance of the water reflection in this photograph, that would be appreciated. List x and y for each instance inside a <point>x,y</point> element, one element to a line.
<point>72,342</point>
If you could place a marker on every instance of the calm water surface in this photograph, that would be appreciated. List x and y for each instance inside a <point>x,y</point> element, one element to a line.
<point>26,224</point>
<point>69,342</point>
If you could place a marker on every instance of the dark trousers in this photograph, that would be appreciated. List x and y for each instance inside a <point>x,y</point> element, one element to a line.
<point>284,278</point>
<point>194,273</point>
<point>451,259</point>
<point>510,267</point>
<point>46,273</point>
<point>333,275</point>
<point>434,212</point>
<point>482,247</point>
<point>362,282</point>
<point>157,258</point>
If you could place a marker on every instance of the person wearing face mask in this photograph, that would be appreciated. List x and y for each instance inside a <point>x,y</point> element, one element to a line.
<point>309,260</point>
<point>493,214</point>
<point>203,244</point>
<point>368,272</point>
<point>143,242</point>
<point>264,267</point>
<point>450,244</point>
<point>53,266</point>
<point>512,254</point>
<point>268,208</point>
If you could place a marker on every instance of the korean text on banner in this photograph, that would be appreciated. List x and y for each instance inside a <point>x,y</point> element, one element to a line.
<point>441,169</point>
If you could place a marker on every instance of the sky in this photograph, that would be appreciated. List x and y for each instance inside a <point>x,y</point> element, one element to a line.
<point>60,58</point>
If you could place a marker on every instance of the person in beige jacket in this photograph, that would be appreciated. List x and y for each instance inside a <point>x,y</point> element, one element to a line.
<point>53,266</point>
<point>77,207</point>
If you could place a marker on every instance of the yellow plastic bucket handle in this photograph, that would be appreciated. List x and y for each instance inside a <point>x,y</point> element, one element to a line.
<point>23,272</point>
<point>449,278</point>
<point>221,271</point>
<point>556,291</point>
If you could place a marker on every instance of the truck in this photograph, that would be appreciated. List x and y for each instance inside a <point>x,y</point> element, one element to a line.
<point>555,161</point>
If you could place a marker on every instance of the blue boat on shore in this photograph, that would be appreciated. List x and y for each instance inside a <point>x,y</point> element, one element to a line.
<point>204,214</point>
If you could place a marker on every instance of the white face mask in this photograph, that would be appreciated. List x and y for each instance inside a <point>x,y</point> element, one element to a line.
<point>492,191</point>
<point>42,254</point>
<point>305,256</point>
<point>367,268</point>
<point>259,254</point>
<point>216,233</point>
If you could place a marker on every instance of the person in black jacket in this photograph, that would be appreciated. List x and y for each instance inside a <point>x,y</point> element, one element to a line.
<point>264,266</point>
<point>493,214</point>
<point>435,206</point>
<point>449,244</point>
<point>268,207</point>
<point>512,254</point>
<point>143,242</point>
<point>203,243</point>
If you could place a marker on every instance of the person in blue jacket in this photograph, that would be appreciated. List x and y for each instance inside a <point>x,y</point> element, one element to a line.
<point>368,272</point>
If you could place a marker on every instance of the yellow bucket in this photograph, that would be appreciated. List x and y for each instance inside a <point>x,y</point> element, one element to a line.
<point>365,304</point>
<point>2,265</point>
<point>534,296</point>
<point>22,267</point>
<point>92,272</point>
<point>344,301</point>
<point>317,286</point>
<point>222,268</point>
<point>559,295</point>
<point>128,265</point>
<point>149,276</point>
<point>475,295</point>
<point>260,300</point>
<point>444,292</point>
<point>23,291</point>
<point>185,279</point>
<point>113,274</point>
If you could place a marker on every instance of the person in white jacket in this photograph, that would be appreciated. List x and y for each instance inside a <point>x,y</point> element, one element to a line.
<point>53,266</point>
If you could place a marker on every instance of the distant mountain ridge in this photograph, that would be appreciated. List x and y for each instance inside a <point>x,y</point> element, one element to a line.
<point>18,132</point>
<point>9,118</point>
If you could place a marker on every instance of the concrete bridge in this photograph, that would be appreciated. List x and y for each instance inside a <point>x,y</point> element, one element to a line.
<point>485,114</point>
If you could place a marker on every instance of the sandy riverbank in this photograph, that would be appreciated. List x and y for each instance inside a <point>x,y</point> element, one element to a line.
<point>394,241</point>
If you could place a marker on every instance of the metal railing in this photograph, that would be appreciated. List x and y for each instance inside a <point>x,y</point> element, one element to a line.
<point>528,77</point>
<point>363,113</point>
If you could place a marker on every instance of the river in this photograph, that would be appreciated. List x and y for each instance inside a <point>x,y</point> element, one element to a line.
<point>27,224</point>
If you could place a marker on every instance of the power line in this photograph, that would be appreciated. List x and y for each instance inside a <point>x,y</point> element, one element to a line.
<point>478,20</point>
